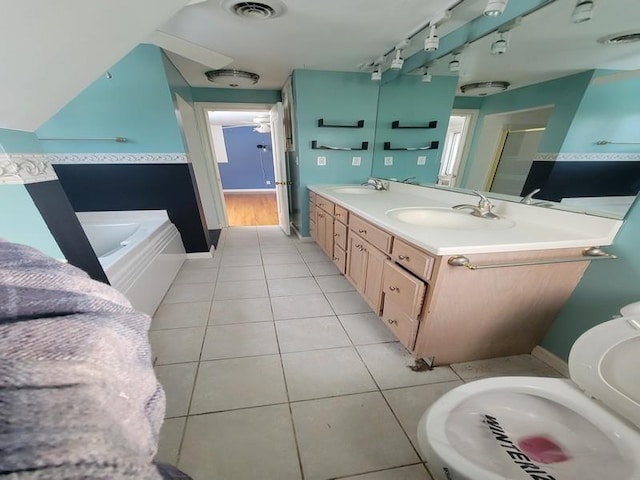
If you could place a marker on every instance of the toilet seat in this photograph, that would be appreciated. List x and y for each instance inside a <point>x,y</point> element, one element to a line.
<point>484,430</point>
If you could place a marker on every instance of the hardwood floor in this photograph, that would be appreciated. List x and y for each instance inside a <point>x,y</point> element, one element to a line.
<point>250,209</point>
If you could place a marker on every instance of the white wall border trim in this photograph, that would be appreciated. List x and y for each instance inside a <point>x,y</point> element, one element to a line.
<point>25,168</point>
<point>114,158</point>
<point>551,359</point>
<point>586,157</point>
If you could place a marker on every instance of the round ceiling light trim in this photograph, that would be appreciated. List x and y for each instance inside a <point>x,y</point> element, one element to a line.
<point>483,89</point>
<point>227,77</point>
<point>621,38</point>
<point>262,10</point>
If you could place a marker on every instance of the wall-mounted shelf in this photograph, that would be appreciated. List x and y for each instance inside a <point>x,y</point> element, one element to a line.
<point>396,124</point>
<point>359,124</point>
<point>431,146</point>
<point>315,146</point>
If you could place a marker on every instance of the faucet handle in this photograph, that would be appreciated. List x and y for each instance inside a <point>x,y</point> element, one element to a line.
<point>529,197</point>
<point>483,200</point>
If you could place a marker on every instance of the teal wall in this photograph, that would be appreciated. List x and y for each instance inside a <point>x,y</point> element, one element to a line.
<point>230,95</point>
<point>135,103</point>
<point>20,219</point>
<point>338,97</point>
<point>609,110</point>
<point>606,286</point>
<point>472,103</point>
<point>563,93</point>
<point>412,102</point>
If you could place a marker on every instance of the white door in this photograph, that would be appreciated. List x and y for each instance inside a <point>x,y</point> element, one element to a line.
<point>280,167</point>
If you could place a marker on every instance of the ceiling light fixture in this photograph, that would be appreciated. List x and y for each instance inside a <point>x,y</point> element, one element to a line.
<point>499,46</point>
<point>583,11</point>
<point>232,78</point>
<point>454,65</point>
<point>426,76</point>
<point>396,63</point>
<point>376,75</point>
<point>495,8</point>
<point>483,89</point>
<point>432,42</point>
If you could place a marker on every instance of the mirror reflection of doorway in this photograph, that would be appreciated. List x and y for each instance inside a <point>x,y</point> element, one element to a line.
<point>513,160</point>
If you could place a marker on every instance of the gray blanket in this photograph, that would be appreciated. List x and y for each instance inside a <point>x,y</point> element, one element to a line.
<point>78,395</point>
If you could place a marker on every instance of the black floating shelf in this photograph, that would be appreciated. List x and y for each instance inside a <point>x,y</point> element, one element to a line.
<point>359,124</point>
<point>431,146</point>
<point>315,146</point>
<point>396,124</point>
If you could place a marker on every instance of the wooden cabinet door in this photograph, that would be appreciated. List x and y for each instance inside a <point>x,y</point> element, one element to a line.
<point>328,236</point>
<point>373,277</point>
<point>356,257</point>
<point>321,229</point>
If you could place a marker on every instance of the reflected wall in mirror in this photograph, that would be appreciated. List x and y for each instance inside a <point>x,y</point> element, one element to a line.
<point>569,124</point>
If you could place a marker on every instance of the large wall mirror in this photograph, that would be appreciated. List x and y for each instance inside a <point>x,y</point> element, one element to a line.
<point>568,124</point>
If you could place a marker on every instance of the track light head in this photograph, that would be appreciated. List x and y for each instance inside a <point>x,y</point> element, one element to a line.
<point>454,65</point>
<point>432,42</point>
<point>426,76</point>
<point>583,11</point>
<point>398,61</point>
<point>499,46</point>
<point>495,8</point>
<point>376,75</point>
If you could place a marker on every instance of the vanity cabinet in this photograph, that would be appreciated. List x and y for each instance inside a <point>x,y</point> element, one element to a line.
<point>449,313</point>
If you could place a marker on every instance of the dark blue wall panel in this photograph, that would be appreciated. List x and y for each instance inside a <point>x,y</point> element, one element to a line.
<point>249,167</point>
<point>169,187</point>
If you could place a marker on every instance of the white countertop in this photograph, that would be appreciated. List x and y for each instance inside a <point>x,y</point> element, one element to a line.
<point>535,228</point>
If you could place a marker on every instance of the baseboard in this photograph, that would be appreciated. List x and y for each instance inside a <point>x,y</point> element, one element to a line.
<point>551,359</point>
<point>248,190</point>
<point>196,255</point>
<point>299,235</point>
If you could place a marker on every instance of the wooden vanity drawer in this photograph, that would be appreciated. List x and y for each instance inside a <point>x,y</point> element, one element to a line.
<point>376,237</point>
<point>342,214</point>
<point>403,289</point>
<point>402,326</point>
<point>340,259</point>
<point>325,205</point>
<point>313,197</point>
<point>340,235</point>
<point>411,258</point>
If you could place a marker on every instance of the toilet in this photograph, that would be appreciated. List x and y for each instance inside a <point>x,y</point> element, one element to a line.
<point>511,428</point>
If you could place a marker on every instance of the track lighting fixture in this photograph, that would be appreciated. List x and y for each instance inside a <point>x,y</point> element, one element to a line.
<point>499,46</point>
<point>454,65</point>
<point>432,42</point>
<point>583,11</point>
<point>376,75</point>
<point>398,61</point>
<point>495,8</point>
<point>426,76</point>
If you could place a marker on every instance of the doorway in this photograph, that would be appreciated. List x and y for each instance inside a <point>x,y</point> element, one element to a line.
<point>456,146</point>
<point>243,159</point>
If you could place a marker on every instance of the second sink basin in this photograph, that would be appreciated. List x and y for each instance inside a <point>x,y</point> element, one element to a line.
<point>446,218</point>
<point>355,190</point>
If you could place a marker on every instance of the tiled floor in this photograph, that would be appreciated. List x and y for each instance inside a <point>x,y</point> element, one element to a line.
<point>274,368</point>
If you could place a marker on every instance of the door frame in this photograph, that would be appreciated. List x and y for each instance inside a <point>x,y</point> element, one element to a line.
<point>468,132</point>
<point>212,163</point>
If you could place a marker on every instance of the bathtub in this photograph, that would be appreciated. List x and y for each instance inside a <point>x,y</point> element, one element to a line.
<point>140,252</point>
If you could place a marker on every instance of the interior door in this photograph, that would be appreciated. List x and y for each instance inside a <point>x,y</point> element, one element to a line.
<point>280,167</point>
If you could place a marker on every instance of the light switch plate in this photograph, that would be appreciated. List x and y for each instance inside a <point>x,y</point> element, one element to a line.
<point>422,160</point>
<point>355,161</point>
<point>388,161</point>
<point>322,161</point>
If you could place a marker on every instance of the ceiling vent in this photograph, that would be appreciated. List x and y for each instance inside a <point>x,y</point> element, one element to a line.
<point>255,10</point>
<point>620,38</point>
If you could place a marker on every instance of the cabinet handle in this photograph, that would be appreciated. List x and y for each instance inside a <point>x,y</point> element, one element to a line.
<point>336,234</point>
<point>362,231</point>
<point>338,214</point>
<point>403,257</point>
<point>394,289</point>
<point>391,322</point>
<point>321,215</point>
<point>358,245</point>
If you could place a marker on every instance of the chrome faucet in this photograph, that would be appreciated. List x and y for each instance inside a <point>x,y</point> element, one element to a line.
<point>375,183</point>
<point>529,200</point>
<point>483,209</point>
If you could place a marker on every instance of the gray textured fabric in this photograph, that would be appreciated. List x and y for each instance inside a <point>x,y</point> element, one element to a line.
<point>78,395</point>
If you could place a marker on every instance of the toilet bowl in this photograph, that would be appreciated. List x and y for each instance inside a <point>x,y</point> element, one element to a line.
<point>510,428</point>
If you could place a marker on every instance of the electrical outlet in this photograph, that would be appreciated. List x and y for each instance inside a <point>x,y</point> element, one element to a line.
<point>422,160</point>
<point>322,161</point>
<point>355,161</point>
<point>388,161</point>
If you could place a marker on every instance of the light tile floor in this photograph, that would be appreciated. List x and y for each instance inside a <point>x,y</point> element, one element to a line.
<point>274,368</point>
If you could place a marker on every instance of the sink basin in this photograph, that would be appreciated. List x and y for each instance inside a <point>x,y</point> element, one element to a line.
<point>357,190</point>
<point>447,218</point>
